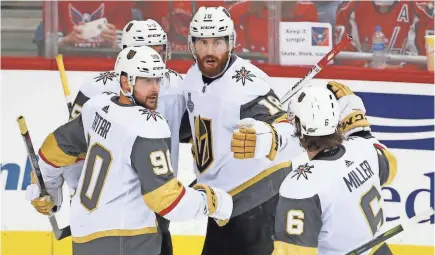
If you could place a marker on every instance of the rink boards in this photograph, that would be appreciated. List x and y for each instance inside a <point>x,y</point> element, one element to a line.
<point>401,116</point>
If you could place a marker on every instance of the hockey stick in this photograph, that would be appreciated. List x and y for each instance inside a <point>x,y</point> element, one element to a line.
<point>317,68</point>
<point>64,80</point>
<point>59,234</point>
<point>392,232</point>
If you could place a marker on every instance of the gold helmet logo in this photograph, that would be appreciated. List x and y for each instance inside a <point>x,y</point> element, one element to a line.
<point>131,54</point>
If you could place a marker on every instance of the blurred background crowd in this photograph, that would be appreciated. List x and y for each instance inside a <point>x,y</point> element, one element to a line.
<point>45,28</point>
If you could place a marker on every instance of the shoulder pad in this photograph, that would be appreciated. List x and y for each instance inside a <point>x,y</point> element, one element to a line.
<point>174,75</point>
<point>149,124</point>
<point>248,76</point>
<point>301,182</point>
<point>359,140</point>
<point>104,81</point>
<point>100,98</point>
<point>105,77</point>
<point>171,84</point>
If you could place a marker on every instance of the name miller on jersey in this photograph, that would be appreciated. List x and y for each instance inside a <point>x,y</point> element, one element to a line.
<point>355,176</point>
<point>101,126</point>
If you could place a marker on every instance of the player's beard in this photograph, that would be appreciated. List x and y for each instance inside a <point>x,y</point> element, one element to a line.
<point>211,66</point>
<point>151,102</point>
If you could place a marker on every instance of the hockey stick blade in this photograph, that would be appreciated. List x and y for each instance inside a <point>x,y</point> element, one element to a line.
<point>58,233</point>
<point>317,68</point>
<point>392,232</point>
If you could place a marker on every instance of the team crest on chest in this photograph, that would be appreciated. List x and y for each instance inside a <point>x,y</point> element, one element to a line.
<point>150,114</point>
<point>303,170</point>
<point>105,76</point>
<point>203,143</point>
<point>190,104</point>
<point>243,75</point>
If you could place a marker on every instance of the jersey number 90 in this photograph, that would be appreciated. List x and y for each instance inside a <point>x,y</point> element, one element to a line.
<point>100,157</point>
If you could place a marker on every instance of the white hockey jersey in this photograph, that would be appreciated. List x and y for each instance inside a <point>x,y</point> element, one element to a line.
<point>333,204</point>
<point>170,102</point>
<point>215,106</point>
<point>127,174</point>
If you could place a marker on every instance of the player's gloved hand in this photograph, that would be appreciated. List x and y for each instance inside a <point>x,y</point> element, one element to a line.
<point>46,204</point>
<point>254,139</point>
<point>219,203</point>
<point>352,110</point>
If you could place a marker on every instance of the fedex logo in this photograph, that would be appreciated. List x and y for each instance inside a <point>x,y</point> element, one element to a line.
<point>391,195</point>
<point>13,172</point>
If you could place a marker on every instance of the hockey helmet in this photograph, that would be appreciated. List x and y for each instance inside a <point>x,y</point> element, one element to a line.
<point>317,109</point>
<point>145,32</point>
<point>139,61</point>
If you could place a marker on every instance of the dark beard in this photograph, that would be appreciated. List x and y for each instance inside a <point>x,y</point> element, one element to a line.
<point>212,72</point>
<point>145,104</point>
<point>154,107</point>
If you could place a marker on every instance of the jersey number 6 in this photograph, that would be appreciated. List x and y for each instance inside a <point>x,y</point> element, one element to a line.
<point>295,222</point>
<point>374,220</point>
<point>96,153</point>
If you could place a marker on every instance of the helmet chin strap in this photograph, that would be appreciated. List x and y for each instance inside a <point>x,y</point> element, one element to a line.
<point>130,95</point>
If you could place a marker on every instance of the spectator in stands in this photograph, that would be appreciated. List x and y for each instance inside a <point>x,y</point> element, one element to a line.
<point>404,23</point>
<point>251,21</point>
<point>73,16</point>
<point>175,17</point>
<point>327,11</point>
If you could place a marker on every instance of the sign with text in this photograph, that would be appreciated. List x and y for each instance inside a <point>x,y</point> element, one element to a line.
<point>303,43</point>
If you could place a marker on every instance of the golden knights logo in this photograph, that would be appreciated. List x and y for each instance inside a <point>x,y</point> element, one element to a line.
<point>203,143</point>
<point>105,76</point>
<point>243,75</point>
<point>150,114</point>
<point>131,54</point>
<point>303,170</point>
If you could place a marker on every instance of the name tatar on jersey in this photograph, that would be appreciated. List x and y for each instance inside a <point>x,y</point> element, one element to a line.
<point>100,125</point>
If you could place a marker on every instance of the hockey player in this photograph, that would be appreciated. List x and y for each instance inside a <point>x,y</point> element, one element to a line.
<point>171,102</point>
<point>224,92</point>
<point>332,203</point>
<point>128,173</point>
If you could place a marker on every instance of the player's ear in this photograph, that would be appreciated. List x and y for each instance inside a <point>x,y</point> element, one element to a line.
<point>124,83</point>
